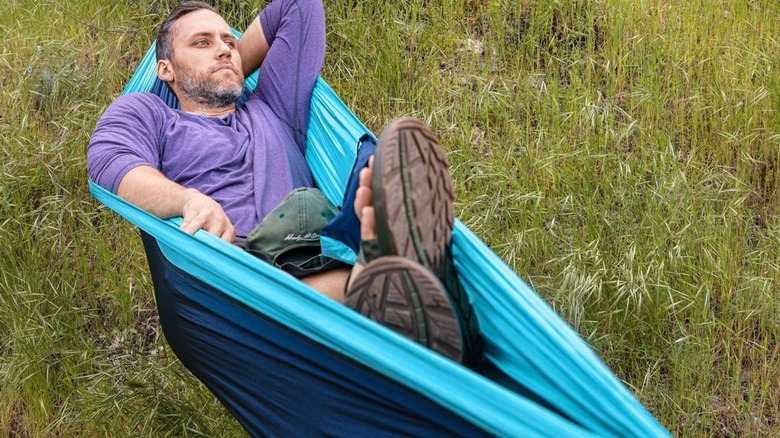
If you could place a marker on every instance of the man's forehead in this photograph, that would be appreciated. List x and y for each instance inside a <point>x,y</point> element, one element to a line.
<point>202,21</point>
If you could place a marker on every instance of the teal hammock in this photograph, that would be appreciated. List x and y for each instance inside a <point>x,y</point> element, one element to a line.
<point>539,377</point>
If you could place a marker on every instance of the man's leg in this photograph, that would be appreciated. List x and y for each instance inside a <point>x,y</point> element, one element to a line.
<point>404,202</point>
<point>406,218</point>
<point>330,283</point>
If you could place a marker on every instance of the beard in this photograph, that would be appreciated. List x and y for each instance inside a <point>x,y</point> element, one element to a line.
<point>211,94</point>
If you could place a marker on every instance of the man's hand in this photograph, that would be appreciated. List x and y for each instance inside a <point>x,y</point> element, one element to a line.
<point>201,212</point>
<point>149,189</point>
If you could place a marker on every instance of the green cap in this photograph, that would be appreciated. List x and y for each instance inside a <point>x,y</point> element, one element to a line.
<point>290,233</point>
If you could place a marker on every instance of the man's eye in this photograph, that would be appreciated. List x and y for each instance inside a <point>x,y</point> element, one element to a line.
<point>201,43</point>
<point>230,43</point>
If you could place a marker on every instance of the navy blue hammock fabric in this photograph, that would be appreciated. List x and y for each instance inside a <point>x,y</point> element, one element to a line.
<point>286,360</point>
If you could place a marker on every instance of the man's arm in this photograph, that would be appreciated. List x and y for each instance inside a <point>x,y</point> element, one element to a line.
<point>149,189</point>
<point>288,38</point>
<point>252,47</point>
<point>127,137</point>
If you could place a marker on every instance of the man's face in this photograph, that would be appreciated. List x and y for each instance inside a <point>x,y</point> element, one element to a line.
<point>206,65</point>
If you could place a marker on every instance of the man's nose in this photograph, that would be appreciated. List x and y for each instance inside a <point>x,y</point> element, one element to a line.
<point>224,50</point>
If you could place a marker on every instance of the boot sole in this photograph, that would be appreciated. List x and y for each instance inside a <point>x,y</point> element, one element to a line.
<point>407,298</point>
<point>413,194</point>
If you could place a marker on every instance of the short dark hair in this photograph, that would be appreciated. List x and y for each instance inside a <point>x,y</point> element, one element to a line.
<point>165,34</point>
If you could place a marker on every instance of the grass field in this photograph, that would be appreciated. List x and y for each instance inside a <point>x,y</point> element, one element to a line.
<point>622,156</point>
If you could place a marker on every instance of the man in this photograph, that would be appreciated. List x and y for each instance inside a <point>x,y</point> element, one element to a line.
<point>224,169</point>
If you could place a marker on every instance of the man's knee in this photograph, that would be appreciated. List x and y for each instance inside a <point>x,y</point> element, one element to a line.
<point>330,283</point>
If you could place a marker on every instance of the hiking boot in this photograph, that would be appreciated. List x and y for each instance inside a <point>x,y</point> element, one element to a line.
<point>407,298</point>
<point>413,196</point>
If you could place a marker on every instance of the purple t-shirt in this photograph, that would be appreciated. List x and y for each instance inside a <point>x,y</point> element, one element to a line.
<point>247,161</point>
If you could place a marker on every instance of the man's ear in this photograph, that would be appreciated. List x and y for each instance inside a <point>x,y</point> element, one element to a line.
<point>165,70</point>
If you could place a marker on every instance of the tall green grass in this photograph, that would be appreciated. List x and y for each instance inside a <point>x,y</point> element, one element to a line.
<point>621,156</point>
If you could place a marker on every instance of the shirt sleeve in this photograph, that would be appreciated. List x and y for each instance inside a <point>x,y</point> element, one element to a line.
<point>126,136</point>
<point>295,31</point>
